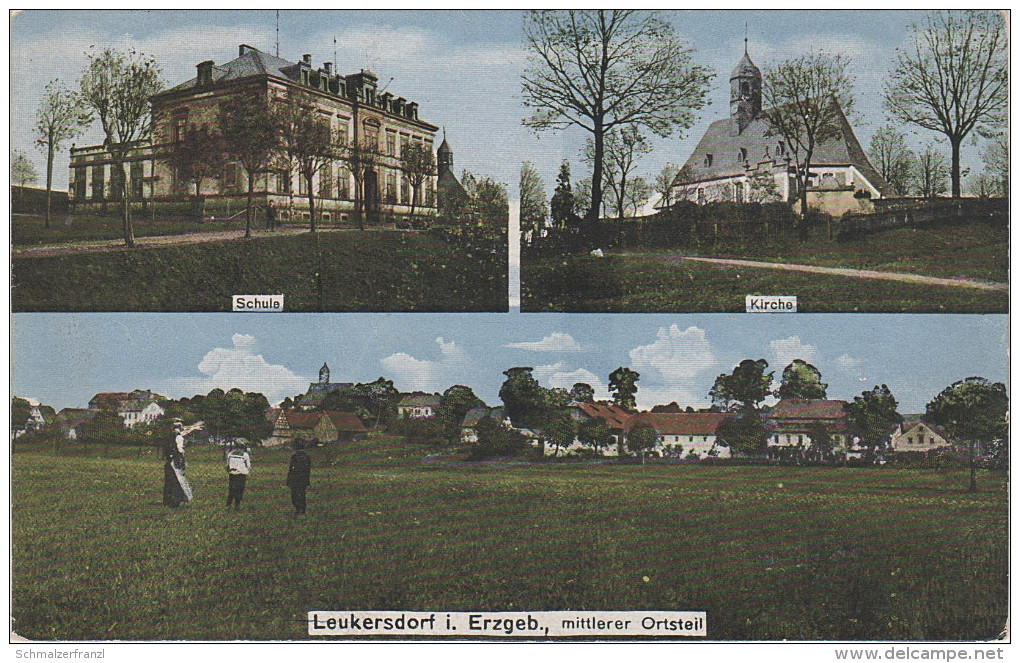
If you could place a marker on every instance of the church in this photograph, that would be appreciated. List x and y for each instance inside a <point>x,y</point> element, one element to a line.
<point>737,161</point>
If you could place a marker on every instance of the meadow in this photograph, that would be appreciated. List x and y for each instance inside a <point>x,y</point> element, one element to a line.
<point>381,270</point>
<point>769,552</point>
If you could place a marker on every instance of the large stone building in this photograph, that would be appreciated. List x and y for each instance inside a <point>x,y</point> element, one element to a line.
<point>358,112</point>
<point>738,161</point>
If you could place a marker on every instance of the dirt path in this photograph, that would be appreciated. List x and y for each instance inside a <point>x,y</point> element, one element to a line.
<point>858,273</point>
<point>105,245</point>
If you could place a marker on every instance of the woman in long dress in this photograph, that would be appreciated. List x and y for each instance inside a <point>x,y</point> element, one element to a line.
<point>176,488</point>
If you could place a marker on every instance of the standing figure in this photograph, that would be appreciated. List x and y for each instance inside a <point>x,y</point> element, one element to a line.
<point>238,467</point>
<point>176,488</point>
<point>299,477</point>
<point>271,216</point>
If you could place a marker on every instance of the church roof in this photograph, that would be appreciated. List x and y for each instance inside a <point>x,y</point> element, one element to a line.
<point>745,68</point>
<point>728,147</point>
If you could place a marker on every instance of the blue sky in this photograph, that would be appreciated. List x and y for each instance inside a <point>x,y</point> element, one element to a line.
<point>463,67</point>
<point>63,359</point>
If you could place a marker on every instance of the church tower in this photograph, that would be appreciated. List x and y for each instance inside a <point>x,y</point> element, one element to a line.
<point>745,91</point>
<point>444,157</point>
<point>324,374</point>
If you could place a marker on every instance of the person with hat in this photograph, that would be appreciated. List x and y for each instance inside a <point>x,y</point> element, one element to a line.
<point>299,477</point>
<point>176,487</point>
<point>238,467</point>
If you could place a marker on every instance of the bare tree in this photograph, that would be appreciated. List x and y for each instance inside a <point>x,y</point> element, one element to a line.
<point>251,137</point>
<point>805,99</point>
<point>197,157</point>
<point>996,158</point>
<point>362,156</point>
<point>417,163</point>
<point>953,78</point>
<point>534,205</point>
<point>607,69</point>
<point>307,141</point>
<point>116,86</point>
<point>663,185</point>
<point>622,150</point>
<point>889,151</point>
<point>636,195</point>
<point>931,172</point>
<point>60,117</point>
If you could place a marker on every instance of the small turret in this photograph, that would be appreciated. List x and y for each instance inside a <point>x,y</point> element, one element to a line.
<point>324,374</point>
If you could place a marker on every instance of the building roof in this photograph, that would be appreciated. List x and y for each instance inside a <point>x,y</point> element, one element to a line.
<point>728,146</point>
<point>745,68</point>
<point>804,410</point>
<point>681,423</point>
<point>419,400</point>
<point>250,62</point>
<point>346,421</point>
<point>71,417</point>
<point>476,414</point>
<point>135,405</point>
<point>108,400</point>
<point>298,420</point>
<point>613,415</point>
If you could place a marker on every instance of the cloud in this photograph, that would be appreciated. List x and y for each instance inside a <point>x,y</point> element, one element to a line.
<point>555,342</point>
<point>242,368</point>
<point>670,367</point>
<point>851,366</point>
<point>413,374</point>
<point>785,350</point>
<point>555,376</point>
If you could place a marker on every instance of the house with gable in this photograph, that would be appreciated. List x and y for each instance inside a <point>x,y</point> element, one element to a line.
<point>791,422</point>
<point>914,434</point>
<point>418,405</point>
<point>135,408</point>
<point>317,427</point>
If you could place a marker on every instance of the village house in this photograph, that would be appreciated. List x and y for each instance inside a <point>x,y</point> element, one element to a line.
<point>685,434</point>
<point>791,423</point>
<point>738,160</point>
<point>917,435</point>
<point>357,110</point>
<point>317,427</point>
<point>615,417</point>
<point>469,425</point>
<point>134,408</point>
<point>418,405</point>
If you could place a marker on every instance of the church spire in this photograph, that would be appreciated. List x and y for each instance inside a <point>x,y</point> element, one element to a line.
<point>745,91</point>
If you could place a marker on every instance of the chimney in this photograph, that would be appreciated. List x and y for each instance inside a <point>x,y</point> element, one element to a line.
<point>328,66</point>
<point>244,49</point>
<point>205,72</point>
<point>306,59</point>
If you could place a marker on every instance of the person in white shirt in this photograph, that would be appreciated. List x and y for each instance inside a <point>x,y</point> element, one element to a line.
<point>238,468</point>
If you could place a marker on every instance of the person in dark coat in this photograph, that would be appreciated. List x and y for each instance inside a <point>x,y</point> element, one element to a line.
<point>176,488</point>
<point>299,477</point>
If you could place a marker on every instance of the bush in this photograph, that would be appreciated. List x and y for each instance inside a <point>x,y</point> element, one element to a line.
<point>495,440</point>
<point>425,431</point>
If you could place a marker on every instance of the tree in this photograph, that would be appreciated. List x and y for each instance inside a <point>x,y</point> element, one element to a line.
<point>582,392</point>
<point>801,380</point>
<point>534,205</point>
<point>117,86</point>
<point>623,386</point>
<point>363,156</point>
<point>251,137</point>
<point>671,407</point>
<point>953,78</point>
<point>638,193</point>
<point>488,198</point>
<point>418,164</point>
<point>805,99</point>
<point>61,116</point>
<point>895,160</point>
<point>562,205</point>
<point>663,185</point>
<point>21,412</point>
<point>198,156</point>
<point>984,185</point>
<point>455,403</point>
<point>762,188</point>
<point>522,395</point>
<point>582,196</point>
<point>560,430</point>
<point>744,388</point>
<point>873,415</point>
<point>594,433</point>
<point>821,440</point>
<point>974,410</point>
<point>307,140</point>
<point>931,173</point>
<point>495,440</point>
<point>623,148</point>
<point>642,438</point>
<point>22,170</point>
<point>996,159</point>
<point>606,69</point>
<point>745,433</point>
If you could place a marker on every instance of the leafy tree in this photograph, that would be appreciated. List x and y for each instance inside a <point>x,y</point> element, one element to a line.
<point>744,388</point>
<point>623,386</point>
<point>762,188</point>
<point>931,173</point>
<point>673,408</point>
<point>495,440</point>
<point>198,156</point>
<point>522,396</point>
<point>22,171</point>
<point>560,430</point>
<point>873,415</point>
<point>488,198</point>
<point>251,136</point>
<point>606,69</point>
<point>806,98</point>
<point>21,411</point>
<point>974,410</point>
<point>594,433</point>
<point>61,116</point>
<point>895,160</point>
<point>582,196</point>
<point>377,399</point>
<point>642,438</point>
<point>953,78</point>
<point>582,392</point>
<point>534,205</point>
<point>745,433</point>
<point>801,380</point>
<point>418,164</point>
<point>456,402</point>
<point>562,204</point>
<point>638,193</point>
<point>821,440</point>
<point>117,86</point>
<point>663,184</point>
<point>307,140</point>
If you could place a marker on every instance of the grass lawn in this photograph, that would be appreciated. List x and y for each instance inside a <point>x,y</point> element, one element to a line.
<point>370,271</point>
<point>653,283</point>
<point>976,250</point>
<point>768,552</point>
<point>30,230</point>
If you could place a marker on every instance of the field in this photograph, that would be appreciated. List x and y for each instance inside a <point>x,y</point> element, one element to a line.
<point>30,229</point>
<point>769,552</point>
<point>337,271</point>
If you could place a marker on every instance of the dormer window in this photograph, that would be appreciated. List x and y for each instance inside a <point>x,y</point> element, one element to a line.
<point>781,148</point>
<point>742,155</point>
<point>708,161</point>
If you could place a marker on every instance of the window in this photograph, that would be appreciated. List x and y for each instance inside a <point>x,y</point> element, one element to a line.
<point>404,142</point>
<point>405,190</point>
<point>391,143</point>
<point>742,155</point>
<point>302,184</point>
<point>701,195</point>
<point>137,173</point>
<point>708,161</point>
<point>326,181</point>
<point>341,130</point>
<point>178,128</point>
<point>282,182</point>
<point>343,184</point>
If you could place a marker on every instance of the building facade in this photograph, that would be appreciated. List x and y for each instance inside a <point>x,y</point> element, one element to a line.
<point>358,112</point>
<point>685,434</point>
<point>737,160</point>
